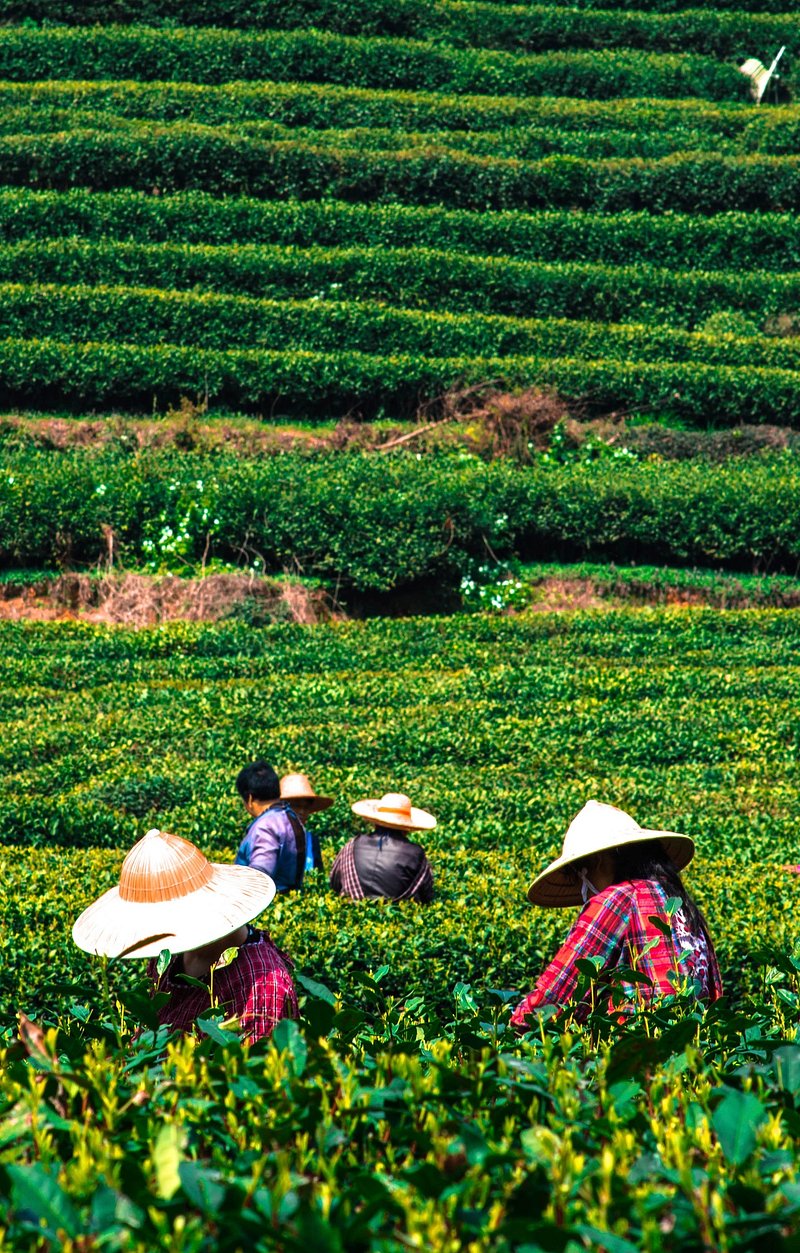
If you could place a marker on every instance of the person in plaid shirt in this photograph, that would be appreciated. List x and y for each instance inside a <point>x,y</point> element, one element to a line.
<point>625,876</point>
<point>252,983</point>
<point>172,899</point>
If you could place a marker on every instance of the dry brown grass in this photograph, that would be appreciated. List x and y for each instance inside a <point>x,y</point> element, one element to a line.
<point>142,600</point>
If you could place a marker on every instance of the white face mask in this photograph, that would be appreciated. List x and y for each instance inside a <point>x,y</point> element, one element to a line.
<point>588,890</point>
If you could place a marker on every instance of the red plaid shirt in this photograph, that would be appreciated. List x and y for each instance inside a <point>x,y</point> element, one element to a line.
<point>615,927</point>
<point>257,988</point>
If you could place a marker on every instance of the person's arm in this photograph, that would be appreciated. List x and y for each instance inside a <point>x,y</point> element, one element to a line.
<point>424,891</point>
<point>265,847</point>
<point>335,876</point>
<point>269,998</point>
<point>598,932</point>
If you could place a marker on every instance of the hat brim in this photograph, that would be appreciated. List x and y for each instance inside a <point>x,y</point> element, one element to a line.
<point>556,887</point>
<point>114,927</point>
<point>315,803</point>
<point>420,819</point>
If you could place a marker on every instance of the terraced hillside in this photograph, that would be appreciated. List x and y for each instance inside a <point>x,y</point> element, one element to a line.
<point>330,207</point>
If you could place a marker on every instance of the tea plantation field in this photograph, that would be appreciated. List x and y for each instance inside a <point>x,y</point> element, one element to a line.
<point>330,208</point>
<point>401,1113</point>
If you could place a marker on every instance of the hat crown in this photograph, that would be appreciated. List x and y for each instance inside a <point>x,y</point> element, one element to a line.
<point>162,867</point>
<point>596,827</point>
<point>297,785</point>
<point>394,804</point>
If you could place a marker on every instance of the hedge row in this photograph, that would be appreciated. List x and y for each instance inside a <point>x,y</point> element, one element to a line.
<point>536,27</point>
<point>188,156</point>
<point>136,316</point>
<point>47,371</point>
<point>215,56</point>
<point>484,25</point>
<point>412,277</point>
<point>667,240</point>
<point>406,18</point>
<point>378,522</point>
<point>519,144</point>
<point>673,6</point>
<point>322,105</point>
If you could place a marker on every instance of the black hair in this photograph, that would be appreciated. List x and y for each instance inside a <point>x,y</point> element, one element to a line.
<point>258,780</point>
<point>648,859</point>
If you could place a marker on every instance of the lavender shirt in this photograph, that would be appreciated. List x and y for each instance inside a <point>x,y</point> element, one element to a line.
<point>270,845</point>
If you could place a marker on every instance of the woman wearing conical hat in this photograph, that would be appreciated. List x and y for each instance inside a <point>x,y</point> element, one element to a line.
<point>624,875</point>
<point>172,897</point>
<point>383,862</point>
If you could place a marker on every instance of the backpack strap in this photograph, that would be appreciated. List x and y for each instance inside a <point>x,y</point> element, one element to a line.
<point>299,833</point>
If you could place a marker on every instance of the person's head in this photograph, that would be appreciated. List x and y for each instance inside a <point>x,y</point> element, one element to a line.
<point>639,859</point>
<point>258,785</point>
<point>297,790</point>
<point>303,807</point>
<point>606,845</point>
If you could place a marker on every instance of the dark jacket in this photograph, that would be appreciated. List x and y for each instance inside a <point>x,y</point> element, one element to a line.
<point>387,864</point>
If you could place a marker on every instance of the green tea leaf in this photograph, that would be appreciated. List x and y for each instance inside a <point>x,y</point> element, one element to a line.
<point>735,1121</point>
<point>167,1156</point>
<point>35,1190</point>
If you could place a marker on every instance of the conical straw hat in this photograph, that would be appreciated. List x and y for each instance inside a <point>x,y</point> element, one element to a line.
<point>394,810</point>
<point>596,828</point>
<point>297,787</point>
<point>170,896</point>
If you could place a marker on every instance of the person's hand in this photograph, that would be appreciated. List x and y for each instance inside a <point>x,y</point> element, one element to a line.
<point>791,869</point>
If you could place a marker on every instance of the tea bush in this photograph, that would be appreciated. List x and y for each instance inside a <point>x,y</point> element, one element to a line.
<point>671,241</point>
<point>330,106</point>
<point>380,1125</point>
<point>401,1109</point>
<point>217,56</point>
<point>514,27</point>
<point>378,523</point>
<point>184,155</point>
<point>224,322</point>
<point>412,277</point>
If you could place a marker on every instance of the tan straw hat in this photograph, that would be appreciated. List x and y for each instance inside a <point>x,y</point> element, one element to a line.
<point>297,787</point>
<point>394,810</point>
<point>170,896</point>
<point>596,828</point>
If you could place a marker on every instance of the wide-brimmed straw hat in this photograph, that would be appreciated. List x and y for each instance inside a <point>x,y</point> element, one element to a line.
<point>394,810</point>
<point>297,787</point>
<point>170,896</point>
<point>596,828</point>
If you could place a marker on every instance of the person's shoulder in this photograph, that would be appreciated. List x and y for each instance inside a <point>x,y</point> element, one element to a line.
<point>263,949</point>
<point>614,894</point>
<point>274,818</point>
<point>414,844</point>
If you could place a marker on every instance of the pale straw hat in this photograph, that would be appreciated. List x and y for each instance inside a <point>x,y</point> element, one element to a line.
<point>170,896</point>
<point>394,810</point>
<point>297,787</point>
<point>596,828</point>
